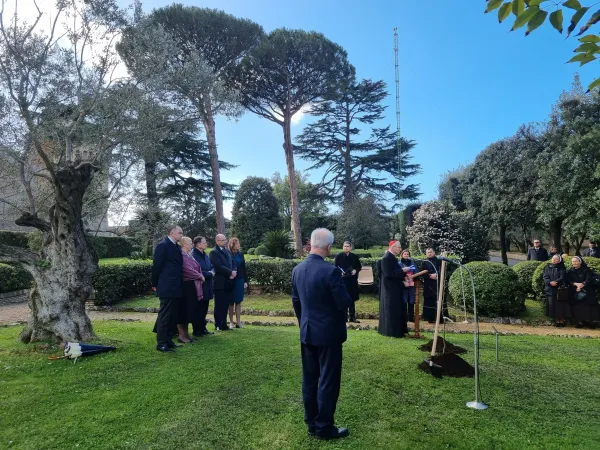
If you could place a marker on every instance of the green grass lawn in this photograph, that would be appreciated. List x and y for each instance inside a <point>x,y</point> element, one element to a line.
<point>241,390</point>
<point>368,303</point>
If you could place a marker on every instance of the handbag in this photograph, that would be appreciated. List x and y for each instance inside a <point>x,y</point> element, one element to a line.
<point>562,294</point>
<point>581,295</point>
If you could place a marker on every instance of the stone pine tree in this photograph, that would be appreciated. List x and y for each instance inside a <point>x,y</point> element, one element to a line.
<point>191,52</point>
<point>289,70</point>
<point>70,122</point>
<point>255,211</point>
<point>359,158</point>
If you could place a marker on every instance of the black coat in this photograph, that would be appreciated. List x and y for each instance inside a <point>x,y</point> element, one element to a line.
<point>224,264</point>
<point>392,315</point>
<point>592,252</point>
<point>586,309</point>
<point>167,269</point>
<point>430,288</point>
<point>540,255</point>
<point>351,281</point>
<point>320,301</point>
<point>207,267</point>
<point>556,273</point>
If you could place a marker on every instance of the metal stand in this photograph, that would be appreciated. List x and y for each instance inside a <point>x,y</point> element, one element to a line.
<point>417,332</point>
<point>477,405</point>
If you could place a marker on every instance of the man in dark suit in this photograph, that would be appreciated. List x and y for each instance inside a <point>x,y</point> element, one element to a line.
<point>592,250</point>
<point>320,301</point>
<point>537,253</point>
<point>225,273</point>
<point>167,281</point>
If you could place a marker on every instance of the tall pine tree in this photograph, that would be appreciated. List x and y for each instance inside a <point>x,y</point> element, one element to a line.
<point>356,166</point>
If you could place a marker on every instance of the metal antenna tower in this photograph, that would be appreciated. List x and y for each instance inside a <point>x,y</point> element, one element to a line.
<point>398,135</point>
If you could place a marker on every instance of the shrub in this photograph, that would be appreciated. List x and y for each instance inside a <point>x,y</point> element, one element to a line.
<point>525,271</point>
<point>117,281</point>
<point>111,247</point>
<point>498,289</point>
<point>14,278</point>
<point>277,244</point>
<point>537,282</point>
<point>13,238</point>
<point>251,251</point>
<point>105,246</point>
<point>261,250</point>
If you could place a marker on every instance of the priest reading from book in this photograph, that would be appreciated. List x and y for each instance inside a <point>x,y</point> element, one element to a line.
<point>392,311</point>
<point>349,264</point>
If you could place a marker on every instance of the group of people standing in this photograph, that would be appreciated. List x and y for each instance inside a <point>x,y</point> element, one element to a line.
<point>185,279</point>
<point>397,290</point>
<point>571,294</point>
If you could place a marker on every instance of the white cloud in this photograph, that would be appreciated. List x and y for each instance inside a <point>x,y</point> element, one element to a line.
<point>297,118</point>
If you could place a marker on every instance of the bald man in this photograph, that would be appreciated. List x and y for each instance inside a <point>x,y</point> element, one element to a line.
<point>225,273</point>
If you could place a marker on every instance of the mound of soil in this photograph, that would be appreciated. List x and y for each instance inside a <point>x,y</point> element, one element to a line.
<point>449,348</point>
<point>452,366</point>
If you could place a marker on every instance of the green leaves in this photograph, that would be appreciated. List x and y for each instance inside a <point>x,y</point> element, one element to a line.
<point>573,4</point>
<point>556,20</point>
<point>525,17</point>
<point>492,5</point>
<point>537,19</point>
<point>575,19</point>
<point>504,11</point>
<point>594,84</point>
<point>518,6</point>
<point>593,20</point>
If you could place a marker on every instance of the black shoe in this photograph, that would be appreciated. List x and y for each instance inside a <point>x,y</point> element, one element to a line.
<point>198,334</point>
<point>354,320</point>
<point>334,433</point>
<point>164,348</point>
<point>311,431</point>
<point>172,344</point>
<point>206,332</point>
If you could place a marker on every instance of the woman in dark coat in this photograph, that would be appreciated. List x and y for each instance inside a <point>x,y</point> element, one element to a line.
<point>241,283</point>
<point>351,266</point>
<point>192,291</point>
<point>409,292</point>
<point>199,254</point>
<point>392,314</point>
<point>582,293</point>
<point>555,278</point>
<point>430,286</point>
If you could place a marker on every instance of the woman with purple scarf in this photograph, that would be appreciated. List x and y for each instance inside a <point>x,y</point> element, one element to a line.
<point>192,291</point>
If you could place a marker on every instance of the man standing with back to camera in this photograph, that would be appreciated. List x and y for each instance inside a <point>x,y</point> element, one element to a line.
<point>320,301</point>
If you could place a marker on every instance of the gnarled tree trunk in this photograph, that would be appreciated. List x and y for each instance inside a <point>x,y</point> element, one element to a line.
<point>64,269</point>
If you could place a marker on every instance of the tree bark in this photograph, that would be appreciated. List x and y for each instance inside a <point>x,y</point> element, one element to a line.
<point>64,270</point>
<point>556,233</point>
<point>153,203</point>
<point>209,126</point>
<point>503,249</point>
<point>289,159</point>
<point>348,187</point>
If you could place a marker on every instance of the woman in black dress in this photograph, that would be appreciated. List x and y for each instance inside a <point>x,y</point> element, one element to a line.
<point>582,293</point>
<point>351,266</point>
<point>557,307</point>
<point>392,313</point>
<point>199,254</point>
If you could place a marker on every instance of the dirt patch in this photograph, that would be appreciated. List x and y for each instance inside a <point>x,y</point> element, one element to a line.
<point>443,346</point>
<point>450,365</point>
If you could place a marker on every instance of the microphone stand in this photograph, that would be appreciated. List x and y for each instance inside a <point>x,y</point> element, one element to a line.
<point>476,404</point>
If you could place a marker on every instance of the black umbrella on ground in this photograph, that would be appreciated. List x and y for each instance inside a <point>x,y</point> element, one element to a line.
<point>74,350</point>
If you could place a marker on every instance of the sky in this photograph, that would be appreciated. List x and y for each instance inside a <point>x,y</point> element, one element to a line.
<point>465,80</point>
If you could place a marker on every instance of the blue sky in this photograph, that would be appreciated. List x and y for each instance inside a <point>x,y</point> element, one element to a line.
<point>465,81</point>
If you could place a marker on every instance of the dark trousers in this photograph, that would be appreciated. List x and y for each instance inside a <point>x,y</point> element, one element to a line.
<point>166,320</point>
<point>321,376</point>
<point>410,312</point>
<point>221,307</point>
<point>351,314</point>
<point>199,322</point>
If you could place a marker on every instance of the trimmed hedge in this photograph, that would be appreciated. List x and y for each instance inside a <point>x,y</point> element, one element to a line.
<point>525,271</point>
<point>105,246</point>
<point>498,289</point>
<point>14,278</point>
<point>117,281</point>
<point>537,282</point>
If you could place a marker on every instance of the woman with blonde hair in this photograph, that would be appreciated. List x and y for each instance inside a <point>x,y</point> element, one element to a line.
<point>192,291</point>
<point>241,283</point>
